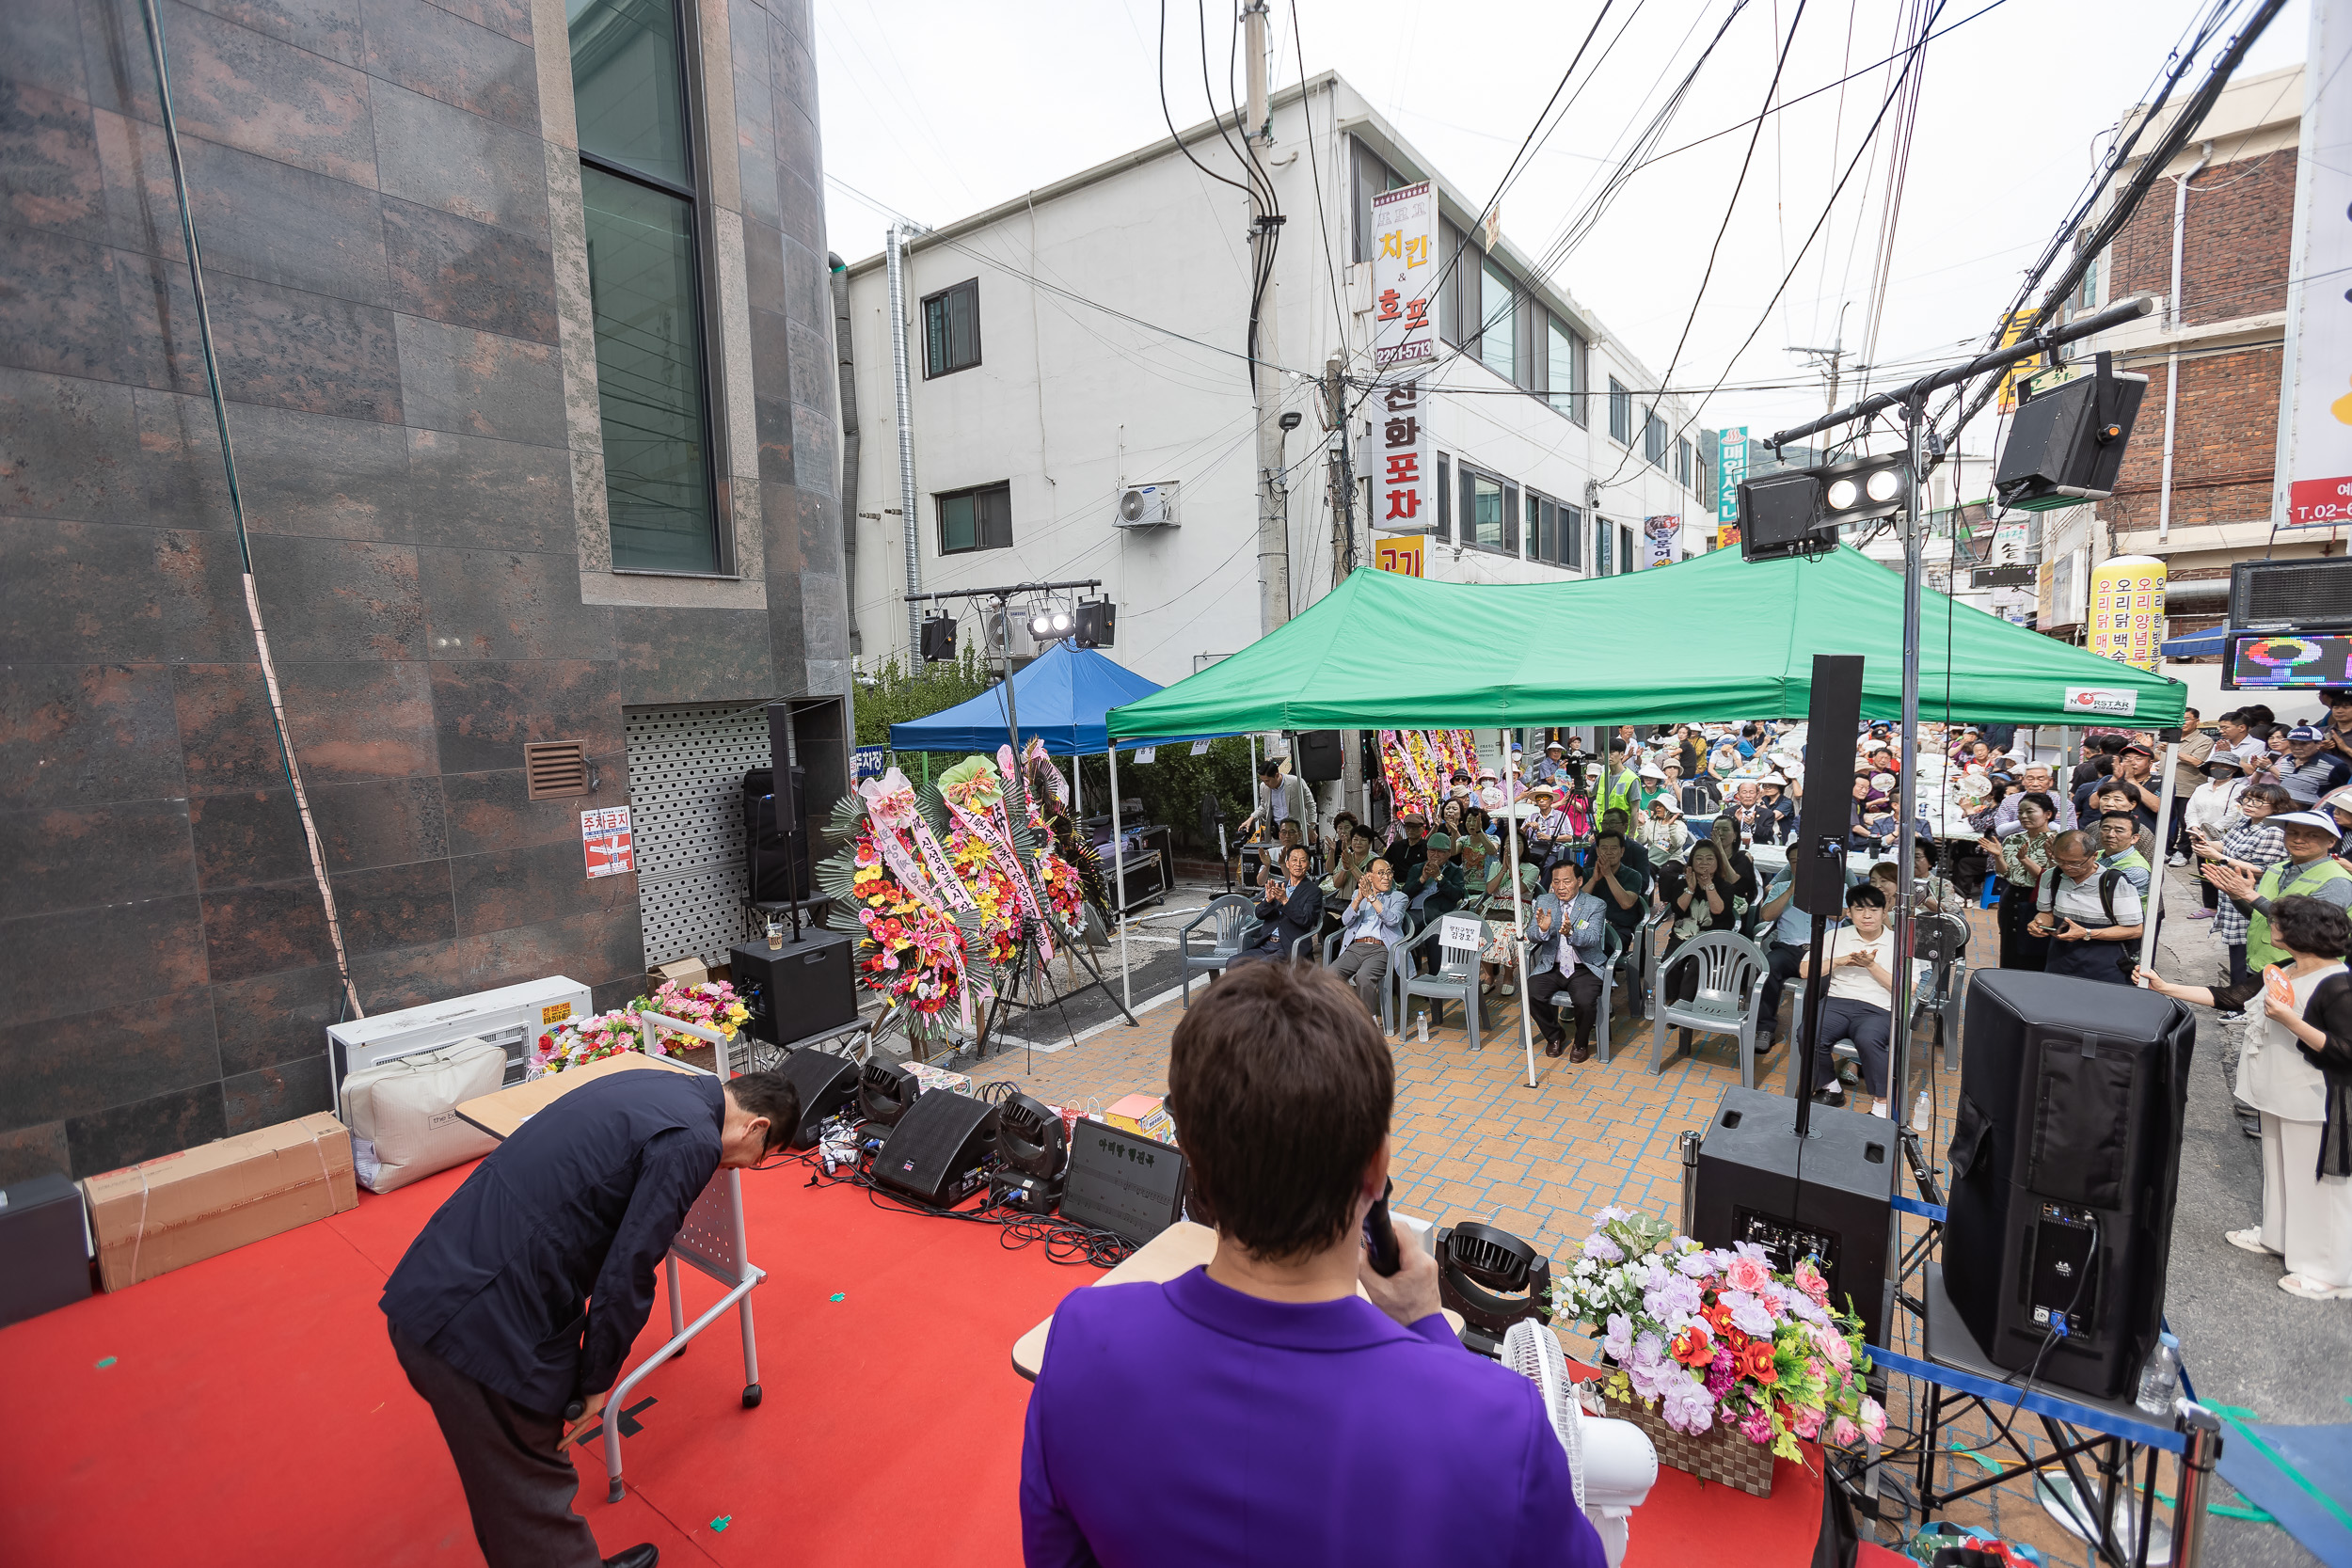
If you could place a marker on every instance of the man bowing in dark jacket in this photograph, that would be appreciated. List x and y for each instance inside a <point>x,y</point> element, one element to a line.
<point>514,1307</point>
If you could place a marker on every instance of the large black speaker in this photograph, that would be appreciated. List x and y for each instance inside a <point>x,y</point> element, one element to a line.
<point>2066,445</point>
<point>939,1150</point>
<point>1315,756</point>
<point>1780,515</point>
<point>1826,812</point>
<point>826,1082</point>
<point>1824,1196</point>
<point>2065,1161</point>
<point>775,842</point>
<point>798,992</point>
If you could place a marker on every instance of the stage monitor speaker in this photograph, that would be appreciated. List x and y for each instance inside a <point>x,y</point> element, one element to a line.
<point>1826,813</point>
<point>776,856</point>
<point>799,992</point>
<point>2309,594</point>
<point>2065,1160</point>
<point>1123,1183</point>
<point>2065,446</point>
<point>1316,757</point>
<point>1827,1198</point>
<point>886,1090</point>
<point>826,1082</point>
<point>940,1151</point>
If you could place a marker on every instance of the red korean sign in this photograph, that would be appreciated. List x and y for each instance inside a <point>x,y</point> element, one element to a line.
<point>605,838</point>
<point>2319,502</point>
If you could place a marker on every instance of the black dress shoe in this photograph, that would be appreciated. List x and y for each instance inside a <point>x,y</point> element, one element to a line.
<point>1582,1054</point>
<point>643,1555</point>
<point>1553,1047</point>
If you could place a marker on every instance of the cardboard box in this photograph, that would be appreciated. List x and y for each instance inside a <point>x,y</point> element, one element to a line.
<point>201,1202</point>
<point>1144,1115</point>
<point>688,971</point>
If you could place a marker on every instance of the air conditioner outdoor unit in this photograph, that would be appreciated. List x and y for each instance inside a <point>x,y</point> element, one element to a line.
<point>513,1017</point>
<point>1022,644</point>
<point>1148,506</point>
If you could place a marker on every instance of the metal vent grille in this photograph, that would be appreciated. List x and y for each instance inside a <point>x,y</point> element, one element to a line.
<point>686,768</point>
<point>555,768</point>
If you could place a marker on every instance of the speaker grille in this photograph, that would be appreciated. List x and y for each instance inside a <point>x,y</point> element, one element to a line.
<point>2294,592</point>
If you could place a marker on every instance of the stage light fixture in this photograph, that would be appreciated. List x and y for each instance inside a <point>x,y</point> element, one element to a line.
<point>886,1090</point>
<point>1475,1261</point>
<point>1861,489</point>
<point>1884,486</point>
<point>2066,445</point>
<point>938,638</point>
<point>1030,1137</point>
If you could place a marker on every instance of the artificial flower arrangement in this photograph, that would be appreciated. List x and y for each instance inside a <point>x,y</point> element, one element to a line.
<point>937,883</point>
<point>590,1039</point>
<point>1713,1335</point>
<point>1418,764</point>
<point>713,1003</point>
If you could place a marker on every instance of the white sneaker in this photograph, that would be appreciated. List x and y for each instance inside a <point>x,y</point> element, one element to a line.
<point>2177,860</point>
<point>2249,1239</point>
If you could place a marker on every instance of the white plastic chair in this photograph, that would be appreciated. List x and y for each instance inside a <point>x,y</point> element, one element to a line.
<point>1456,978</point>
<point>1729,998</point>
<point>1232,918</point>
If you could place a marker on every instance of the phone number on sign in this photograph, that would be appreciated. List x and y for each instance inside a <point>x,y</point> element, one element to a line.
<point>2319,502</point>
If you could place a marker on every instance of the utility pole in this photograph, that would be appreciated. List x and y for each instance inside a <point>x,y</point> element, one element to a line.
<point>1833,354</point>
<point>1274,567</point>
<point>1343,474</point>
<point>894,253</point>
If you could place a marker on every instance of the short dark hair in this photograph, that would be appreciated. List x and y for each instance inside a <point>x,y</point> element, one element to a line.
<point>1296,850</point>
<point>2120,817</point>
<point>1270,768</point>
<point>2271,795</point>
<point>1568,862</point>
<point>1862,895</point>
<point>1340,817</point>
<point>1605,835</point>
<point>2040,798</point>
<point>771,1095</point>
<point>2117,788</point>
<point>1283,1088</point>
<point>1888,869</point>
<point>2311,926</point>
<point>2113,744</point>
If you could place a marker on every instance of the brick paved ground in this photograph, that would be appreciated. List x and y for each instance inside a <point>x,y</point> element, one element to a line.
<point>1472,1141</point>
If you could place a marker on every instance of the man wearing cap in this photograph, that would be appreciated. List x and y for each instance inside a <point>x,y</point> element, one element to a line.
<point>2311,769</point>
<point>1551,767</point>
<point>1774,788</point>
<point>1411,845</point>
<point>2311,870</point>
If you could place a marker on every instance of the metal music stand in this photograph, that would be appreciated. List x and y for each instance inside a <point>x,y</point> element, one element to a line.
<point>712,1241</point>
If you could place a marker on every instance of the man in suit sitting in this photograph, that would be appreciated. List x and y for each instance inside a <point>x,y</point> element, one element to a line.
<point>1292,909</point>
<point>1433,887</point>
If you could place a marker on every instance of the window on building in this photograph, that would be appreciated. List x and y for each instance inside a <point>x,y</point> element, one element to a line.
<point>1703,470</point>
<point>1654,439</point>
<point>952,329</point>
<point>1484,512</point>
<point>1458,302</point>
<point>1510,518</point>
<point>1538,521</point>
<point>1625,548</point>
<point>645,281</point>
<point>1620,413</point>
<point>1564,370</point>
<point>1682,463</point>
<point>1497,332</point>
<point>2087,297</point>
<point>1602,551</point>
<point>1445,498</point>
<point>976,519</point>
<point>1571,535</point>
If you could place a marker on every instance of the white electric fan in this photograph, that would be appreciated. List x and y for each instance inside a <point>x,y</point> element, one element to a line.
<point>1613,1462</point>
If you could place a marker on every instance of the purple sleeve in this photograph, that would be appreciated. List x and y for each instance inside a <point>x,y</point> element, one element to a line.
<point>1553,1531</point>
<point>1050,1538</point>
<point>1435,1329</point>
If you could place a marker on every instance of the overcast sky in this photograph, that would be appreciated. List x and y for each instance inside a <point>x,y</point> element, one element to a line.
<point>939,109</point>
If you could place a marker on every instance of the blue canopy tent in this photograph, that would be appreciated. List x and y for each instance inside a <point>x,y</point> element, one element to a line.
<point>2196,644</point>
<point>1060,698</point>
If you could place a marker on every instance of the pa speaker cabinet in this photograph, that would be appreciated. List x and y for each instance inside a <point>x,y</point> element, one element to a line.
<point>44,1258</point>
<point>1317,757</point>
<point>1123,1182</point>
<point>1827,1198</point>
<point>826,1082</point>
<point>799,992</point>
<point>1826,812</point>
<point>776,856</point>
<point>940,1151</point>
<point>2065,1161</point>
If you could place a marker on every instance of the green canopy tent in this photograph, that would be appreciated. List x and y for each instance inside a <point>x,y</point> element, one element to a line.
<point>1711,638</point>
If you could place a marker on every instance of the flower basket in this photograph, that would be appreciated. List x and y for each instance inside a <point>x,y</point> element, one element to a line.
<point>1717,1454</point>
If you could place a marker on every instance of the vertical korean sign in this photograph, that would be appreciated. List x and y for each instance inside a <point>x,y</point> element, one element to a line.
<point>1402,464</point>
<point>605,838</point>
<point>2126,609</point>
<point>1731,471</point>
<point>2314,463</point>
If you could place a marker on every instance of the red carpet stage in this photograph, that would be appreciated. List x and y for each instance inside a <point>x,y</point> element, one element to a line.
<point>247,1410</point>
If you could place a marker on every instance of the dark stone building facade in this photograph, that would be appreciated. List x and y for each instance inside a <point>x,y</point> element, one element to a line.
<point>387,199</point>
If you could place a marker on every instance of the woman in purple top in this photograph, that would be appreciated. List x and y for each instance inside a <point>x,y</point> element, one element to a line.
<point>1258,1411</point>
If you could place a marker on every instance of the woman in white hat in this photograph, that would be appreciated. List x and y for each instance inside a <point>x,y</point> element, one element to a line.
<point>1662,830</point>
